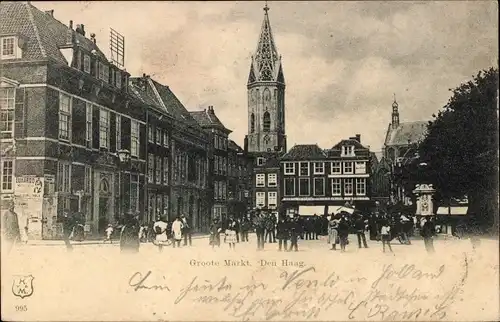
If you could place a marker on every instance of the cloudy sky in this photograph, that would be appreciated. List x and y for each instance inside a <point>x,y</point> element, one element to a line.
<point>342,60</point>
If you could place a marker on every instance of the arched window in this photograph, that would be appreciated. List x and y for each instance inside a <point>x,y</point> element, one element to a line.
<point>266,121</point>
<point>252,123</point>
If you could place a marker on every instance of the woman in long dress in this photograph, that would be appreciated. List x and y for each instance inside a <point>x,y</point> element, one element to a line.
<point>160,229</point>
<point>230,237</point>
<point>333,233</point>
<point>215,230</point>
<point>177,232</point>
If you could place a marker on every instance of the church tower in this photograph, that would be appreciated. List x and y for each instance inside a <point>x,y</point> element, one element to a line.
<point>266,96</point>
<point>395,114</point>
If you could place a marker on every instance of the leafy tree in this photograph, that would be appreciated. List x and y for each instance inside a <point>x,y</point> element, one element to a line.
<point>461,146</point>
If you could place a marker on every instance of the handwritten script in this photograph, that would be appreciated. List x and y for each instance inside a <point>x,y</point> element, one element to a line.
<point>396,293</point>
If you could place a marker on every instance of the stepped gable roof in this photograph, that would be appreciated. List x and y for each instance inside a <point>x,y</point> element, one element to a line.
<point>173,105</point>
<point>305,152</point>
<point>207,118</point>
<point>406,133</point>
<point>44,35</point>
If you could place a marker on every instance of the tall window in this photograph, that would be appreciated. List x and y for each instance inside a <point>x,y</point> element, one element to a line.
<point>86,63</point>
<point>151,167</point>
<point>151,134</point>
<point>360,186</point>
<point>104,72</point>
<point>118,132</point>
<point>319,186</point>
<point>289,168</point>
<point>347,151</point>
<point>252,123</point>
<point>118,79</point>
<point>64,116</point>
<point>272,179</point>
<point>88,124</point>
<point>158,136</point>
<point>336,186</point>
<point>103,128</point>
<point>336,167</point>
<point>260,199</point>
<point>289,186</point>
<point>158,170</point>
<point>348,186</point>
<point>8,47</point>
<point>260,180</point>
<point>304,168</point>
<point>7,175</point>
<point>7,103</point>
<point>88,179</point>
<point>348,168</point>
<point>319,168</point>
<point>216,164</point>
<point>134,192</point>
<point>266,122</point>
<point>304,187</point>
<point>134,138</point>
<point>165,170</point>
<point>165,138</point>
<point>64,176</point>
<point>272,199</point>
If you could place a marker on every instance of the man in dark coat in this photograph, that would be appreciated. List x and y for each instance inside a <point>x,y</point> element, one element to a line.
<point>245,227</point>
<point>295,230</point>
<point>186,230</point>
<point>428,232</point>
<point>129,238</point>
<point>359,225</point>
<point>260,226</point>
<point>282,233</point>
<point>10,227</point>
<point>68,222</point>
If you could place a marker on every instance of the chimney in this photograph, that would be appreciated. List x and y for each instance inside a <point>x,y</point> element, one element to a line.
<point>71,24</point>
<point>358,138</point>
<point>80,29</point>
<point>92,37</point>
<point>50,12</point>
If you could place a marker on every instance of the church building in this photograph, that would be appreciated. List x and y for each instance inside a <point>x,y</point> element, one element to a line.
<point>266,139</point>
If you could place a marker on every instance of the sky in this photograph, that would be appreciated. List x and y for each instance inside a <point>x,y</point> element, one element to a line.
<point>343,61</point>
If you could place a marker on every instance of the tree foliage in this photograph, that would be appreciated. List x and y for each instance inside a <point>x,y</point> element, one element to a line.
<point>461,144</point>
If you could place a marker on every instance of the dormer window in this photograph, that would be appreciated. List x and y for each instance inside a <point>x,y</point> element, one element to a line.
<point>118,79</point>
<point>86,63</point>
<point>104,72</point>
<point>10,48</point>
<point>260,161</point>
<point>347,151</point>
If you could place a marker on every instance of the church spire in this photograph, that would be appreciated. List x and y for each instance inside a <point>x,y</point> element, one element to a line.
<point>395,113</point>
<point>266,63</point>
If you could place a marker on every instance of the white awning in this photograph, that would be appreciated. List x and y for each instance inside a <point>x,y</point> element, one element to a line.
<point>460,211</point>
<point>311,210</point>
<point>345,209</point>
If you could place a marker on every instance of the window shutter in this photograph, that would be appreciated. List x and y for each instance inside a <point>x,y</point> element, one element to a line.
<point>95,127</point>
<point>112,132</point>
<point>126,133</point>
<point>78,122</point>
<point>19,113</point>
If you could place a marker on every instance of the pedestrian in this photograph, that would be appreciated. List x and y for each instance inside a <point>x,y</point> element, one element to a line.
<point>215,230</point>
<point>237,228</point>
<point>405,229</point>
<point>10,228</point>
<point>270,227</point>
<point>177,232</point>
<point>160,229</point>
<point>428,232</point>
<point>109,233</point>
<point>129,237</point>
<point>186,230</point>
<point>230,233</point>
<point>294,228</point>
<point>359,225</point>
<point>67,224</point>
<point>259,224</point>
<point>385,233</point>
<point>282,233</point>
<point>317,226</point>
<point>245,227</point>
<point>333,235</point>
<point>343,233</point>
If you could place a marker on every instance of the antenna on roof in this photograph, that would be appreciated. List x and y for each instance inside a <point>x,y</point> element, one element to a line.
<point>117,48</point>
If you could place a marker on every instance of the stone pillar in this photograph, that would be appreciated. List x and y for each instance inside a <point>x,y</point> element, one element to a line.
<point>424,193</point>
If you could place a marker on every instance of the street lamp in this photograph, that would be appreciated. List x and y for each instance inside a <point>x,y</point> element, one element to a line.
<point>123,156</point>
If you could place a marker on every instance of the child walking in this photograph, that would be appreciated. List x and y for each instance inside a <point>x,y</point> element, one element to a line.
<point>109,232</point>
<point>385,232</point>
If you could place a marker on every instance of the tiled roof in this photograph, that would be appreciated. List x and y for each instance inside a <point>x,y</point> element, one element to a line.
<point>207,118</point>
<point>406,133</point>
<point>233,146</point>
<point>304,152</point>
<point>356,144</point>
<point>173,105</point>
<point>141,93</point>
<point>44,34</point>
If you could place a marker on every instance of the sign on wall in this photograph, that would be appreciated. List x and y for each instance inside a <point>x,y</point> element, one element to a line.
<point>28,199</point>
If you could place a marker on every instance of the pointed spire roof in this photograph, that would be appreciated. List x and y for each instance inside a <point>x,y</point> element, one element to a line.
<point>266,63</point>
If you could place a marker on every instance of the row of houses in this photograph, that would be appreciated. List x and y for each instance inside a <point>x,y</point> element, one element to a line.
<point>79,133</point>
